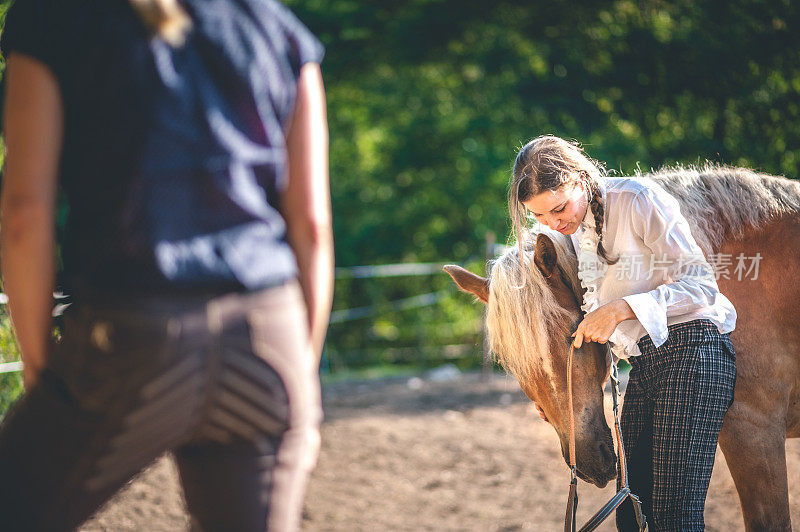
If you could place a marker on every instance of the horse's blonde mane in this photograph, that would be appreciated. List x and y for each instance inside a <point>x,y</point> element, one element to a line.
<point>522,314</point>
<point>722,202</point>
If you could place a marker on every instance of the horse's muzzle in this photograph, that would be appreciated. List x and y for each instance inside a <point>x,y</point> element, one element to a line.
<point>597,462</point>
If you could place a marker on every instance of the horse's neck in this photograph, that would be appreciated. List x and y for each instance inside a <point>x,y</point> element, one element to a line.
<point>775,241</point>
<point>766,294</point>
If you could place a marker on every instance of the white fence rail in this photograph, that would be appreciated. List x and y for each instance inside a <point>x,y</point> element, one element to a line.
<point>340,316</point>
<point>10,367</point>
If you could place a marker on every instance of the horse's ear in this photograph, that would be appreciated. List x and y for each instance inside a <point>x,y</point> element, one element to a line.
<point>545,256</point>
<point>469,282</point>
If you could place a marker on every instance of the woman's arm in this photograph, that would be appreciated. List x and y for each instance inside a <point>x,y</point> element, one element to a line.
<point>306,203</point>
<point>33,130</point>
<point>690,282</point>
<point>656,219</point>
<point>599,325</point>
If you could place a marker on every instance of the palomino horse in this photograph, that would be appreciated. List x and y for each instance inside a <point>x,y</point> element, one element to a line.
<point>736,215</point>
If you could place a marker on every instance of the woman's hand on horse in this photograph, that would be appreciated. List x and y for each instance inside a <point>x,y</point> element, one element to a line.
<point>599,325</point>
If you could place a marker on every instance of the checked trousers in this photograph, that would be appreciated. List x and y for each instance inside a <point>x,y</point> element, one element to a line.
<point>676,398</point>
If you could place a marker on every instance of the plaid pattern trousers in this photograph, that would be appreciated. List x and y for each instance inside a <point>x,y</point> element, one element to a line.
<point>672,413</point>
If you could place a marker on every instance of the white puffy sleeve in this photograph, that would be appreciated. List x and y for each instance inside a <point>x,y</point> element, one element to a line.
<point>689,279</point>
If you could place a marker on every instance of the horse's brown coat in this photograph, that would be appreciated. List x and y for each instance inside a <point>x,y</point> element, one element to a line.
<point>766,408</point>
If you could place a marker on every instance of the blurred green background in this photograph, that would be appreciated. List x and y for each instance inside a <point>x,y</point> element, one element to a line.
<point>429,100</point>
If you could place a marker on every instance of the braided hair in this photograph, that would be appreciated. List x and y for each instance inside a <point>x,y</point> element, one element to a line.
<point>598,212</point>
<point>550,163</point>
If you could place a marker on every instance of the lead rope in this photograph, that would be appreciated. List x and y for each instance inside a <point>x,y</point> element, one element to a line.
<point>572,501</point>
<point>625,491</point>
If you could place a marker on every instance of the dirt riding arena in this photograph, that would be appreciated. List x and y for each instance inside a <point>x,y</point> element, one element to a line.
<point>451,453</point>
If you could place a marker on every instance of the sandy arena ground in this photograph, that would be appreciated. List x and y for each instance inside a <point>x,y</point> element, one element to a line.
<point>465,454</point>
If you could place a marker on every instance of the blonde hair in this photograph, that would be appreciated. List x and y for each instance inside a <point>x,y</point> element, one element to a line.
<point>523,316</point>
<point>723,202</point>
<point>165,19</point>
<point>550,163</point>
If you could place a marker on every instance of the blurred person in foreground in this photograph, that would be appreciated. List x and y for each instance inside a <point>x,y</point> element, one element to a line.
<point>189,139</point>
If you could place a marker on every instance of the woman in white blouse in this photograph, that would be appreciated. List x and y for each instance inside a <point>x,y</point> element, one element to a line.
<point>652,296</point>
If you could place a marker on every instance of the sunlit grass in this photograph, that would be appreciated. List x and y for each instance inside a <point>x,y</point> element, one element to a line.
<point>10,383</point>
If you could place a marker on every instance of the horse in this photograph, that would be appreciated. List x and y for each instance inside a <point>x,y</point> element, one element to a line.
<point>533,300</point>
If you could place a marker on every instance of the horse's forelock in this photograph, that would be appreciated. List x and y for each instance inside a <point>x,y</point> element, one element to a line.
<point>523,316</point>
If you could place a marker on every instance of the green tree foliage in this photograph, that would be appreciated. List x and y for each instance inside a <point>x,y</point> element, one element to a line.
<point>429,100</point>
<point>10,383</point>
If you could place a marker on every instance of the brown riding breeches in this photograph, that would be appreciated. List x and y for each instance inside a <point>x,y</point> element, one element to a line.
<point>228,383</point>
